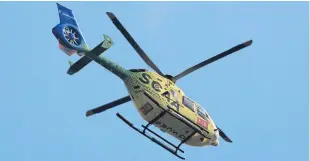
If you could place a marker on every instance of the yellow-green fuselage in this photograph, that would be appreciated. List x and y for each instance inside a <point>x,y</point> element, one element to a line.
<point>165,93</point>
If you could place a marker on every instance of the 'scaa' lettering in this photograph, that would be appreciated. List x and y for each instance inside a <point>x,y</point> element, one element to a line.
<point>156,86</point>
<point>146,80</point>
<point>173,103</point>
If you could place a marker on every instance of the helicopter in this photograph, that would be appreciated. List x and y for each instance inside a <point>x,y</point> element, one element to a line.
<point>156,97</point>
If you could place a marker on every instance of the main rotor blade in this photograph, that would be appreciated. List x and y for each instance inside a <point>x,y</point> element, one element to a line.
<point>108,106</point>
<point>224,136</point>
<point>212,59</point>
<point>133,43</point>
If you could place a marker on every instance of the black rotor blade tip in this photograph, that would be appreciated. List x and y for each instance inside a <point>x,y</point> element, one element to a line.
<point>111,15</point>
<point>224,136</point>
<point>89,113</point>
<point>248,43</point>
<point>227,139</point>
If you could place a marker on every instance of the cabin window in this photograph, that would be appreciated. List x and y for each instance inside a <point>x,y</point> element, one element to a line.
<point>188,103</point>
<point>174,94</point>
<point>202,113</point>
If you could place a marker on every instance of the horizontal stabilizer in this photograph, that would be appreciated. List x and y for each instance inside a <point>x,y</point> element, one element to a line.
<point>77,66</point>
<point>81,63</point>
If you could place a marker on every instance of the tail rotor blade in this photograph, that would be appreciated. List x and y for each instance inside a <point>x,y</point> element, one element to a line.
<point>212,59</point>
<point>133,43</point>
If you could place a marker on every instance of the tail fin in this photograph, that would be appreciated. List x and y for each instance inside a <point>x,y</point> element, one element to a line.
<point>71,40</point>
<point>68,33</point>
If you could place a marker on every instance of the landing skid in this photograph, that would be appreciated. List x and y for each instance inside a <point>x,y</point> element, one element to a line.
<point>196,129</point>
<point>181,118</point>
<point>143,132</point>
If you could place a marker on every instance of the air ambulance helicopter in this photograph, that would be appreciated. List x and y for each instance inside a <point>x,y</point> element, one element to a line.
<point>155,95</point>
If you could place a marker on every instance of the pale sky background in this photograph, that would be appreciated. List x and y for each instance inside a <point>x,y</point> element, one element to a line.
<point>258,96</point>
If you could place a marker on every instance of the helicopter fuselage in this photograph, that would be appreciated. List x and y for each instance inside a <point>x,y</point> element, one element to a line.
<point>166,93</point>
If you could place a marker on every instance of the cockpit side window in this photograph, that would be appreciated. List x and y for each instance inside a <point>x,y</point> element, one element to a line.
<point>188,103</point>
<point>202,113</point>
<point>174,94</point>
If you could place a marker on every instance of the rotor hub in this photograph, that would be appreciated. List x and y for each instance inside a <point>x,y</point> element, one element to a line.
<point>71,36</point>
<point>170,77</point>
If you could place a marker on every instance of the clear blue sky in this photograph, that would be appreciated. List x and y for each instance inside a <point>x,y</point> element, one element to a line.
<point>259,96</point>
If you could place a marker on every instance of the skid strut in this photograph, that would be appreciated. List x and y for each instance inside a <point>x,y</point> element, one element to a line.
<point>143,132</point>
<point>181,118</point>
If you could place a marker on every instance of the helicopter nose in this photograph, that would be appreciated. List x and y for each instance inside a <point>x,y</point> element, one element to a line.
<point>215,143</point>
<point>216,134</point>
